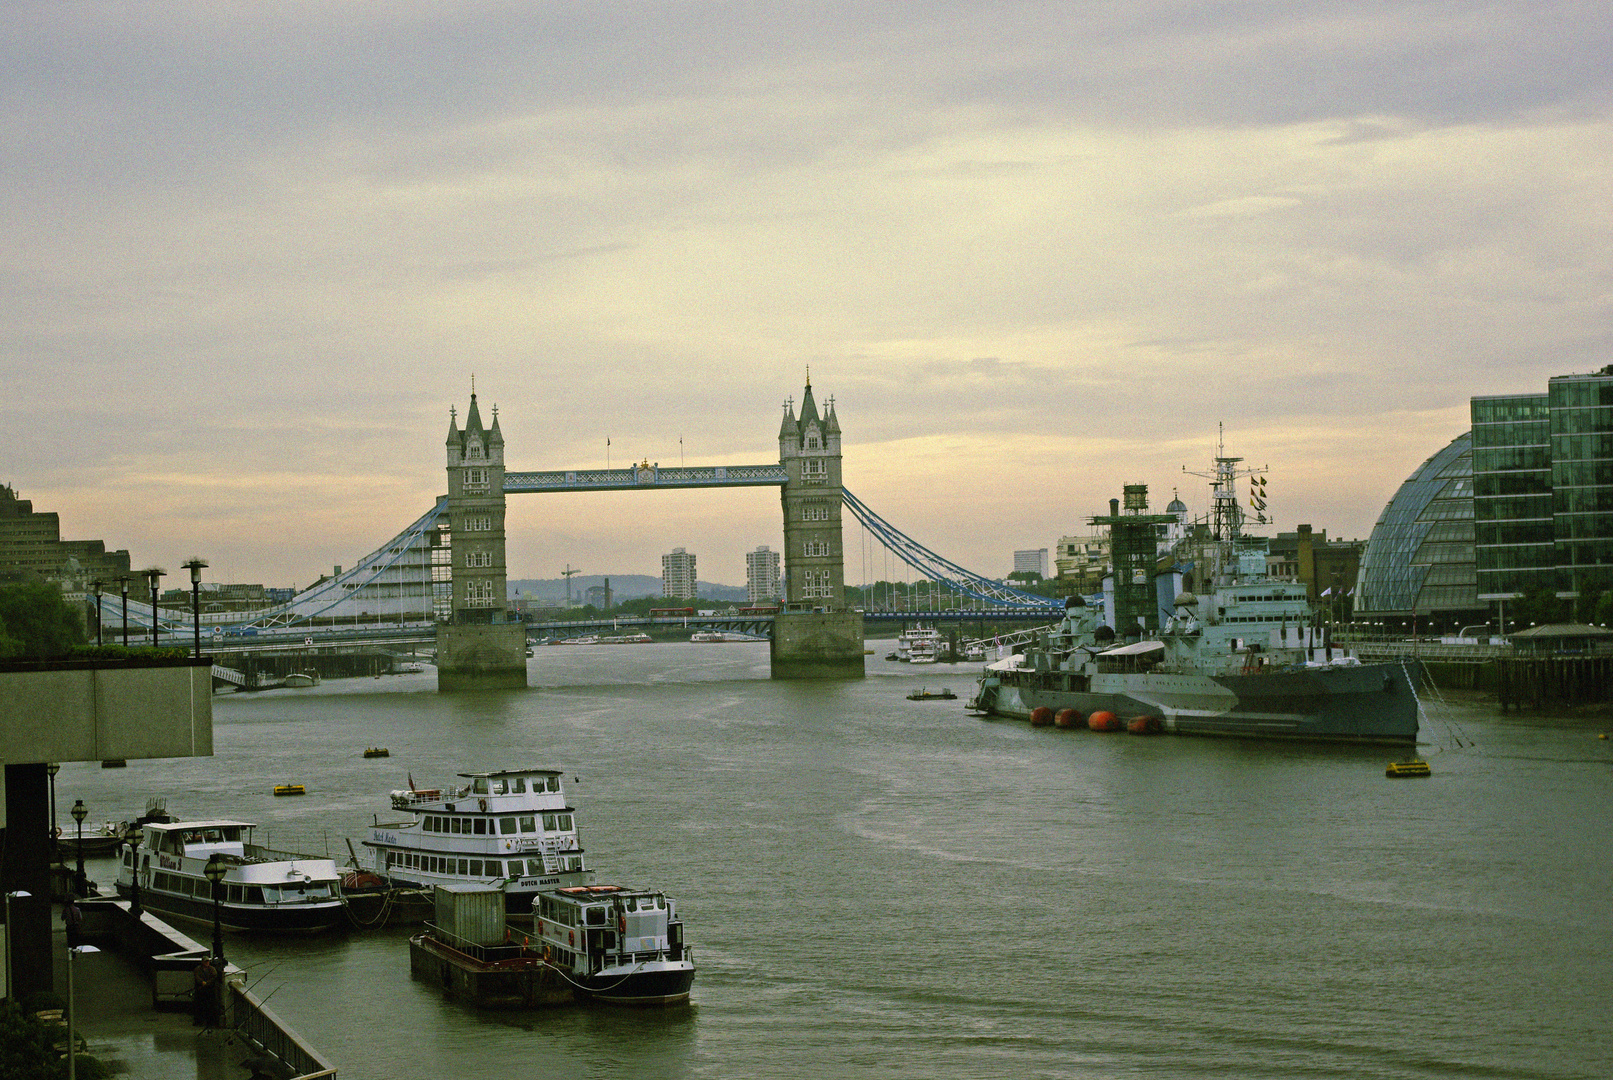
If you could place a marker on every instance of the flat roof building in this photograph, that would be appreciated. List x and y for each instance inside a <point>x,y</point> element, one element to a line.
<point>678,575</point>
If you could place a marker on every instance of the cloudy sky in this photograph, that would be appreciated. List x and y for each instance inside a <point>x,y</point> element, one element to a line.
<point>254,252</point>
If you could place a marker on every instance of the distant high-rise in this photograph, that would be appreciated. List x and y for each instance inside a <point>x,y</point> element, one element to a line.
<point>761,575</point>
<point>677,575</point>
<point>1031,562</point>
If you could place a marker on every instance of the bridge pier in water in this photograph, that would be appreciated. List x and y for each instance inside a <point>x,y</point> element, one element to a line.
<point>817,645</point>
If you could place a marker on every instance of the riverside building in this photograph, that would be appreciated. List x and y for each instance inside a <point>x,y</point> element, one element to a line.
<point>1521,503</point>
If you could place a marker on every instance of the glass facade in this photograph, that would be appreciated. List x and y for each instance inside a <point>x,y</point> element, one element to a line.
<point>1581,433</point>
<point>1420,556</point>
<point>1522,503</point>
<point>1514,547</point>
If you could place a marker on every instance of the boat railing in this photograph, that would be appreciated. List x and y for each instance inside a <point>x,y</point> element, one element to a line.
<point>515,949</point>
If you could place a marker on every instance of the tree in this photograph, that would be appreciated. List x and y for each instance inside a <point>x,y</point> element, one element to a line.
<point>36,623</point>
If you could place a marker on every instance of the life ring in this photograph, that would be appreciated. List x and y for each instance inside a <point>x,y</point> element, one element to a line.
<point>482,803</point>
<point>540,927</point>
<point>572,937</point>
<point>621,924</point>
<point>548,957</point>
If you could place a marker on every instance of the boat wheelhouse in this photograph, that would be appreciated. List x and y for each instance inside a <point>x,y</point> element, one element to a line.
<point>919,645</point>
<point>615,944</point>
<point>263,889</point>
<point>508,827</point>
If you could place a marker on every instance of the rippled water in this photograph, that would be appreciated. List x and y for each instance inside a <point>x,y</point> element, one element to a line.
<point>878,887</point>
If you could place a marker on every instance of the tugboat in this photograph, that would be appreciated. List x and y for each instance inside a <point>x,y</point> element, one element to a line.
<point>508,827</point>
<point>1408,767</point>
<point>591,942</point>
<point>263,889</point>
<point>615,944</point>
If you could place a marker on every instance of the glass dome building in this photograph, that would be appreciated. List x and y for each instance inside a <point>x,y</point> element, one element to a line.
<point>1419,560</point>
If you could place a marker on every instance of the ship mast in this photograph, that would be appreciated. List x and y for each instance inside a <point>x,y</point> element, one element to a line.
<point>1226,513</point>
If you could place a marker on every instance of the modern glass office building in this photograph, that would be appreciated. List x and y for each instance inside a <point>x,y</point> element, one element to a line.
<point>1419,559</point>
<point>1521,503</point>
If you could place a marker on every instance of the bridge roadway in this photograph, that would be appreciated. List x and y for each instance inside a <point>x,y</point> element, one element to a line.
<point>292,639</point>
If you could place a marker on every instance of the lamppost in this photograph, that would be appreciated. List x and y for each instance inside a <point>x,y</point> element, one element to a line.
<point>11,994</point>
<point>124,581</point>
<point>153,575</point>
<point>72,1036</point>
<point>80,812</point>
<point>195,567</point>
<point>51,770</point>
<point>134,875</point>
<point>96,585</point>
<point>214,871</point>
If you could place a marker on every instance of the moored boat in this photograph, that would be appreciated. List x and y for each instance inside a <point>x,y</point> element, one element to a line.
<point>615,944</point>
<point>262,890</point>
<point>1408,767</point>
<point>1250,658</point>
<point>290,789</point>
<point>508,827</point>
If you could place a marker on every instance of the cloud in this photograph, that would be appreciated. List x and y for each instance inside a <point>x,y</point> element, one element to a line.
<point>1035,250</point>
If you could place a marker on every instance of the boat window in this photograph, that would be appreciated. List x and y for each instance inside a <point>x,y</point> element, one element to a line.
<point>480,825</point>
<point>554,783</point>
<point>254,894</point>
<point>475,868</point>
<point>464,867</point>
<point>479,785</point>
<point>549,822</point>
<point>453,825</point>
<point>528,823</point>
<point>596,916</point>
<point>565,822</point>
<point>518,785</point>
<point>632,903</point>
<point>506,825</point>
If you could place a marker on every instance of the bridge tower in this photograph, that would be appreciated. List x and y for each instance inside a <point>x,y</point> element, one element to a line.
<point>814,636</point>
<point>478,647</point>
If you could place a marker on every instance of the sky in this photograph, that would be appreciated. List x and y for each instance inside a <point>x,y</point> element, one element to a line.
<point>254,253</point>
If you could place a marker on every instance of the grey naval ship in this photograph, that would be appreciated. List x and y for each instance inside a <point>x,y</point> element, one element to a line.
<point>1247,658</point>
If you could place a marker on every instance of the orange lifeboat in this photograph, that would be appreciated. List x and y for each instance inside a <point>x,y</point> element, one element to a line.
<point>1068,718</point>
<point>1145,725</point>
<point>1103,721</point>
<point>1041,716</point>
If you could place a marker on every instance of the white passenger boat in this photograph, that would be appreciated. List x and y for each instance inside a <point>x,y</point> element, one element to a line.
<point>263,889</point>
<point>919,644</point>
<point>615,944</point>
<point>510,827</point>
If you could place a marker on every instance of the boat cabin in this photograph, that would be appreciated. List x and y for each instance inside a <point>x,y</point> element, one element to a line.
<point>199,839</point>
<point>586,926</point>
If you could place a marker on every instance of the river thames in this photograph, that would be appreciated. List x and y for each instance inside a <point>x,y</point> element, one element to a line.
<point>876,887</point>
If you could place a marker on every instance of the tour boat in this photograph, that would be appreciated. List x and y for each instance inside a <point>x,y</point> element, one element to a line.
<point>615,944</point>
<point>919,645</point>
<point>509,826</point>
<point>262,890</point>
<point>290,789</point>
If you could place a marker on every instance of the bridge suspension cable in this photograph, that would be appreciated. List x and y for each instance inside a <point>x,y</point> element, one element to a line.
<point>937,568</point>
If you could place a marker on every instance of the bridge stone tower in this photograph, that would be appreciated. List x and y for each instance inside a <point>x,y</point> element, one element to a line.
<point>478,647</point>
<point>814,636</point>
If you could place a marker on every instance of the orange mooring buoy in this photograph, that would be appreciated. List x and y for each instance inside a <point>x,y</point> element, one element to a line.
<point>1103,721</point>
<point>1067,718</point>
<point>1041,716</point>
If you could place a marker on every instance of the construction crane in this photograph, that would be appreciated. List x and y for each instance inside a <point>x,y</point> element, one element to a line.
<point>567,574</point>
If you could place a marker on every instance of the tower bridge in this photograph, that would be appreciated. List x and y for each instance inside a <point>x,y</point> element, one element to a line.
<point>445,575</point>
